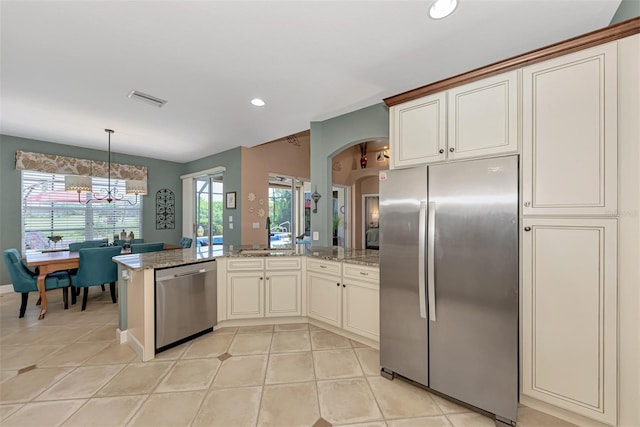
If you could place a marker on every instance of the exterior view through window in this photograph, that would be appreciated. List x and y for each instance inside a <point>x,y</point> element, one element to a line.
<point>52,218</point>
<point>289,211</point>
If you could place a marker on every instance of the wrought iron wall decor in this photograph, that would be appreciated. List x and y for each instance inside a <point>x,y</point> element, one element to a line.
<point>165,209</point>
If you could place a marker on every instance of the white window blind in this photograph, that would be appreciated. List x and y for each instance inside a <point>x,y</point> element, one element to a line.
<point>48,211</point>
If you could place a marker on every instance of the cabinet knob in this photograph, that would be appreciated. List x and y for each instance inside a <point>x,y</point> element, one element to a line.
<point>441,150</point>
<point>337,284</point>
<point>344,286</point>
<point>527,229</point>
<point>527,204</point>
<point>267,278</point>
<point>261,278</point>
<point>451,149</point>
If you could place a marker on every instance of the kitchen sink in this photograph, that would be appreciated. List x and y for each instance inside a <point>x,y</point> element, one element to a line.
<point>267,251</point>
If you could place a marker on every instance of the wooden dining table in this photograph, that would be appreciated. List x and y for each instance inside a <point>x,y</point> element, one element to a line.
<point>50,262</point>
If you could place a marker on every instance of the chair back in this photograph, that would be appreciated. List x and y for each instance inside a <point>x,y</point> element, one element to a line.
<point>75,247</point>
<point>136,241</point>
<point>138,248</point>
<point>185,242</point>
<point>22,278</point>
<point>97,267</point>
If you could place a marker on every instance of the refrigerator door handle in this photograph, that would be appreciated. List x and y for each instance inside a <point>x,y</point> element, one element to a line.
<point>431,275</point>
<point>421,248</point>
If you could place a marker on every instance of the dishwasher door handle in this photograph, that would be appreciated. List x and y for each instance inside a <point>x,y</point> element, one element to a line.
<point>191,273</point>
<point>175,276</point>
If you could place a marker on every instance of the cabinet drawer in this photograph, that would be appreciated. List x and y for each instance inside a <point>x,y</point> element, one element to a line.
<point>361,272</point>
<point>328,267</point>
<point>283,263</point>
<point>245,264</point>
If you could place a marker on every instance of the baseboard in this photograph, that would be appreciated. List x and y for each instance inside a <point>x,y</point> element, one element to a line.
<point>121,336</point>
<point>5,289</point>
<point>563,414</point>
<point>136,346</point>
<point>235,323</point>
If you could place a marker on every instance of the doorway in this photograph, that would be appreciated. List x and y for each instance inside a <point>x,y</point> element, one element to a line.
<point>209,226</point>
<point>339,223</point>
<point>370,221</point>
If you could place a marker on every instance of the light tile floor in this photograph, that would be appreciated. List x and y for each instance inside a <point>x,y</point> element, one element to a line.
<point>69,370</point>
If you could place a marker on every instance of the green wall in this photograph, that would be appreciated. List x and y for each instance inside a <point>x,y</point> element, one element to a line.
<point>162,174</point>
<point>628,9</point>
<point>330,137</point>
<point>232,161</point>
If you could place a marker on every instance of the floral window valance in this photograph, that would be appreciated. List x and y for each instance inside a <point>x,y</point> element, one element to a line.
<point>72,166</point>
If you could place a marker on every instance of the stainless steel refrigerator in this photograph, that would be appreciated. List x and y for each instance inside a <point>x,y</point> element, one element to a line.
<point>449,280</point>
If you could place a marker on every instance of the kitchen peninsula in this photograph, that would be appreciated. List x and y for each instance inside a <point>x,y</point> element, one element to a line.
<point>332,287</point>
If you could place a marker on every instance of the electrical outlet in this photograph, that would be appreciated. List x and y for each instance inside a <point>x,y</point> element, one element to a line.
<point>256,225</point>
<point>230,226</point>
<point>316,235</point>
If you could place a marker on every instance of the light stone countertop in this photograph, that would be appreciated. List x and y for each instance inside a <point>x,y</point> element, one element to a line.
<point>177,257</point>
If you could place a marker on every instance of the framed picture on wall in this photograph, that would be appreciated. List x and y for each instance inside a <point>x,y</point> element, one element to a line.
<point>231,200</point>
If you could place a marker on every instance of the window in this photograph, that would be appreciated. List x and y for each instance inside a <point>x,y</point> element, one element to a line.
<point>49,211</point>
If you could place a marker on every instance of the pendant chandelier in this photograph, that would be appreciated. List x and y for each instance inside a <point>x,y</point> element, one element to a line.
<point>82,184</point>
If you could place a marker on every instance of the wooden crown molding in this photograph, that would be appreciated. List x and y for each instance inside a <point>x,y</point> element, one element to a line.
<point>594,38</point>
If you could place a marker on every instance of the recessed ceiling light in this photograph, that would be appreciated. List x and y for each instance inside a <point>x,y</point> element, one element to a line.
<point>442,8</point>
<point>257,102</point>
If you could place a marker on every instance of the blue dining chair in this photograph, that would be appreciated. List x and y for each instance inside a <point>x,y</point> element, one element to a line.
<point>186,242</point>
<point>138,248</point>
<point>136,241</point>
<point>76,246</point>
<point>96,268</point>
<point>25,280</point>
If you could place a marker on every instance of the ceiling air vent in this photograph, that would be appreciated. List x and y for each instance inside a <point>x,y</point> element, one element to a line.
<point>149,99</point>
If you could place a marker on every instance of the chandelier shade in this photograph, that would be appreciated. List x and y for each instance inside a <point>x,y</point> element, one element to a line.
<point>77,183</point>
<point>136,186</point>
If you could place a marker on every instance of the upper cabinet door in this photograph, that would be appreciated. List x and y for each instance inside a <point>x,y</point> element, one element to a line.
<point>418,131</point>
<point>483,117</point>
<point>570,134</point>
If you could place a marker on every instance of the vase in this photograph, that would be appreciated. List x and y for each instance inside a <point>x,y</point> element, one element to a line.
<point>363,162</point>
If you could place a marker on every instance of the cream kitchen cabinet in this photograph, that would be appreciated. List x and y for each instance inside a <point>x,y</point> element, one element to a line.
<point>569,157</point>
<point>361,300</point>
<point>245,288</point>
<point>483,117</point>
<point>324,291</point>
<point>350,300</point>
<point>418,131</point>
<point>569,342</point>
<point>263,288</point>
<point>283,286</point>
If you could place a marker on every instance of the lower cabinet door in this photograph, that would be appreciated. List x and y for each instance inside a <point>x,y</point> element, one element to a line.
<point>569,313</point>
<point>325,298</point>
<point>245,295</point>
<point>283,293</point>
<point>361,309</point>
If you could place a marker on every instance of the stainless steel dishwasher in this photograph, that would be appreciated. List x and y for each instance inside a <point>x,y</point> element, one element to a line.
<point>185,302</point>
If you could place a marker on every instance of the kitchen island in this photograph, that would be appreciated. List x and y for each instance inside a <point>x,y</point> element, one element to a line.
<point>281,274</point>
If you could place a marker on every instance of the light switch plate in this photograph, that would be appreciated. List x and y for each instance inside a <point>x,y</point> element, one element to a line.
<point>230,218</point>
<point>230,226</point>
<point>256,225</point>
<point>316,235</point>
